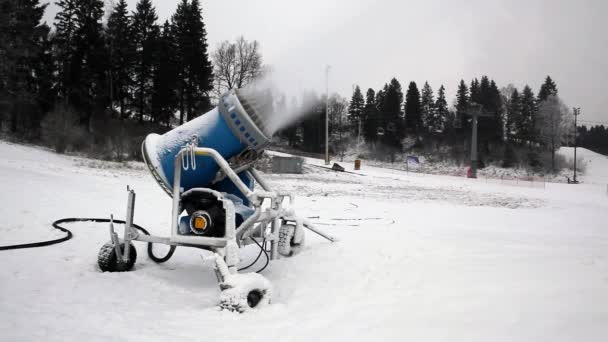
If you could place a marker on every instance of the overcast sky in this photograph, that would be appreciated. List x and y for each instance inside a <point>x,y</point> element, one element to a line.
<point>367,42</point>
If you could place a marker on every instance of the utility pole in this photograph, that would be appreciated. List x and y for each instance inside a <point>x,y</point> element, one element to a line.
<point>358,130</point>
<point>475,111</point>
<point>327,115</point>
<point>359,138</point>
<point>577,112</point>
<point>110,74</point>
<point>474,147</point>
<point>340,132</point>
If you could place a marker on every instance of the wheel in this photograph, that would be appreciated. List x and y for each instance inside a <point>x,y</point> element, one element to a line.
<point>108,262</point>
<point>243,292</point>
<point>289,243</point>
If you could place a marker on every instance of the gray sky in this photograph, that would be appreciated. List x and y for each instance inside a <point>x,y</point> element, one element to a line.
<point>367,42</point>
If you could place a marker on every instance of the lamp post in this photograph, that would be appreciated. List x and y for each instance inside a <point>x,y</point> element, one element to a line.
<point>474,147</point>
<point>327,115</point>
<point>475,111</point>
<point>358,130</point>
<point>577,112</point>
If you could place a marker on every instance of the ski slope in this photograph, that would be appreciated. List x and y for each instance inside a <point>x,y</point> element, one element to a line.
<point>595,164</point>
<point>420,258</point>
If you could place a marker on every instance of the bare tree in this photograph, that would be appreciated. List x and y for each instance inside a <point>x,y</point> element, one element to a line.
<point>236,64</point>
<point>338,109</point>
<point>553,116</point>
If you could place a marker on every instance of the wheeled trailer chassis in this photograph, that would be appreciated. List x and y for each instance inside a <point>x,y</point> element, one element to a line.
<point>270,222</point>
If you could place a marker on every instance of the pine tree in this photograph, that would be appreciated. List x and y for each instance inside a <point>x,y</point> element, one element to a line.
<point>442,112</point>
<point>370,117</point>
<point>413,110</point>
<point>292,132</point>
<point>392,118</point>
<point>313,128</point>
<point>594,138</point>
<point>179,21</point>
<point>355,110</point>
<point>548,88</point>
<point>393,98</point>
<point>164,97</point>
<point>6,11</point>
<point>475,91</point>
<point>427,104</point>
<point>462,98</point>
<point>280,109</point>
<point>81,49</point>
<point>494,102</point>
<point>380,99</point>
<point>195,68</point>
<point>20,49</point>
<point>145,33</point>
<point>64,46</point>
<point>484,93</point>
<point>494,107</point>
<point>122,54</point>
<point>462,104</point>
<point>202,68</point>
<point>44,82</point>
<point>514,116</point>
<point>526,125</point>
<point>90,43</point>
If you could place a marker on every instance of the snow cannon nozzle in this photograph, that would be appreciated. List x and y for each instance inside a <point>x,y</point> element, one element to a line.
<point>238,125</point>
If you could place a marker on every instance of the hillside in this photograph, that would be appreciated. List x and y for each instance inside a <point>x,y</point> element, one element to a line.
<point>420,257</point>
<point>595,165</point>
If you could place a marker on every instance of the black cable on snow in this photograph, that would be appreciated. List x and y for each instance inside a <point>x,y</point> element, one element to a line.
<point>262,250</point>
<point>43,243</point>
<point>263,247</point>
<point>69,235</point>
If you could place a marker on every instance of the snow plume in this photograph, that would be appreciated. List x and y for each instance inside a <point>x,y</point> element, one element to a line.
<point>279,104</point>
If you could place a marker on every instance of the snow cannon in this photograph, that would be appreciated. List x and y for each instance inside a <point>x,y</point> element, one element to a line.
<point>207,167</point>
<point>236,129</point>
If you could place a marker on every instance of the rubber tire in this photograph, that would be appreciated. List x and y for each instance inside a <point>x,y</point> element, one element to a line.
<point>246,296</point>
<point>108,262</point>
<point>287,246</point>
<point>255,298</point>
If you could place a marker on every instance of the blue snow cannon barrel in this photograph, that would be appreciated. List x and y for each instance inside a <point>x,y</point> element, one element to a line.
<point>233,127</point>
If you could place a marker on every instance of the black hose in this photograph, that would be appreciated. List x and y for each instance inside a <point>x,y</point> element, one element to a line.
<point>263,247</point>
<point>43,243</point>
<point>151,255</point>
<point>262,250</point>
<point>69,235</point>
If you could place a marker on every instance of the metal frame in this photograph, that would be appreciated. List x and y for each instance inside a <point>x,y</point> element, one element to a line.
<point>225,248</point>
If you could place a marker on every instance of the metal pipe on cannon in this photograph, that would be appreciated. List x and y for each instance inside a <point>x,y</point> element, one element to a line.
<point>236,128</point>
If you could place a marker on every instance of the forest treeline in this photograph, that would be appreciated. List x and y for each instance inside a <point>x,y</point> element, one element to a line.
<point>515,127</point>
<point>98,83</point>
<point>90,84</point>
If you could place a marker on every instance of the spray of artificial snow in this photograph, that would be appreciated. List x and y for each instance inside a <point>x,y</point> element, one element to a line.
<point>274,102</point>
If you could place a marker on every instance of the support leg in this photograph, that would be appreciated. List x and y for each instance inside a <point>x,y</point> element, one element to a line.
<point>128,224</point>
<point>115,239</point>
<point>221,269</point>
<point>321,233</point>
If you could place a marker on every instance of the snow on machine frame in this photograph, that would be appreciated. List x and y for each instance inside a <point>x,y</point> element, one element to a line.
<point>206,166</point>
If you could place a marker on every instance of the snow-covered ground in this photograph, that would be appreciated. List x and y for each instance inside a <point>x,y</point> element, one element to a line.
<point>595,164</point>
<point>420,258</point>
<point>432,164</point>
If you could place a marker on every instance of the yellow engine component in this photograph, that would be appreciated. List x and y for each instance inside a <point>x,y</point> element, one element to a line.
<point>200,223</point>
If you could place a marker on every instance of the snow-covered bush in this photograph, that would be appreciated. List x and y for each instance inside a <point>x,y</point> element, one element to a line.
<point>61,130</point>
